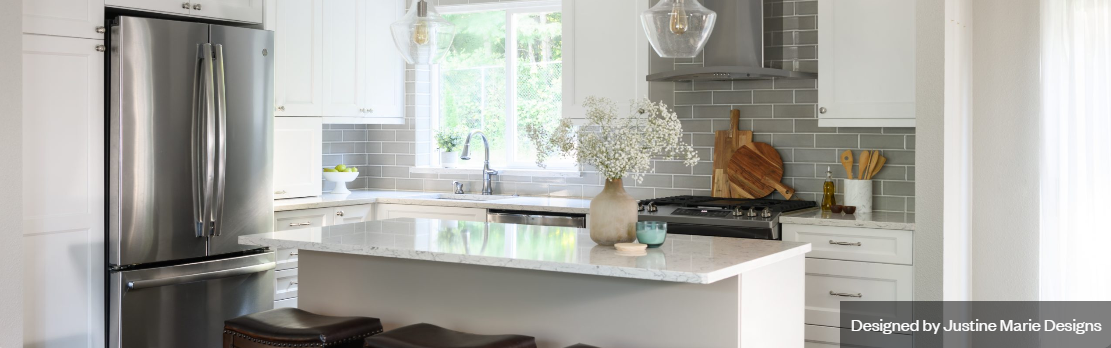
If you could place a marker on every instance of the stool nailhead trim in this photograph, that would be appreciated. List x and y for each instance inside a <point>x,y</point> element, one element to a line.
<point>276,344</point>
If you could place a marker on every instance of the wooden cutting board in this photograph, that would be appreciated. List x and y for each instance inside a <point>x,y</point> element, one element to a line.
<point>726,142</point>
<point>755,170</point>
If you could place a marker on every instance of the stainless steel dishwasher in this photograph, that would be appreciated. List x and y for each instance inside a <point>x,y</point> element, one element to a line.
<point>536,218</point>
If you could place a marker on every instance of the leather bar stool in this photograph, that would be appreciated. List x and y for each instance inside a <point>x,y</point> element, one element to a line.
<point>291,327</point>
<point>432,336</point>
<point>580,345</point>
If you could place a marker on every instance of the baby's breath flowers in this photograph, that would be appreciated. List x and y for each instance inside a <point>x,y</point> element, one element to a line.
<point>617,145</point>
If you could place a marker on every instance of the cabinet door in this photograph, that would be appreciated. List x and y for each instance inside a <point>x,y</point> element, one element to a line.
<point>344,57</point>
<point>178,7</point>
<point>298,44</point>
<point>353,214</point>
<point>604,53</point>
<point>63,191</point>
<point>394,211</point>
<point>248,11</point>
<point>385,78</point>
<point>70,18</point>
<point>306,218</point>
<point>297,157</point>
<point>867,75</point>
<point>853,244</point>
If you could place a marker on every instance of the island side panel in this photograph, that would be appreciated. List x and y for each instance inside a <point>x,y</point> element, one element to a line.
<point>559,309</point>
<point>772,305</point>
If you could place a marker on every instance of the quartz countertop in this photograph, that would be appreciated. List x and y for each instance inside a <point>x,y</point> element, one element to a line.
<point>544,204</point>
<point>682,258</point>
<point>878,220</point>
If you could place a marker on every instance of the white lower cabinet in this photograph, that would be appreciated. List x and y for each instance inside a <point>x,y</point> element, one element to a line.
<point>298,219</point>
<point>394,211</point>
<point>353,213</point>
<point>854,264</point>
<point>285,284</point>
<point>286,303</point>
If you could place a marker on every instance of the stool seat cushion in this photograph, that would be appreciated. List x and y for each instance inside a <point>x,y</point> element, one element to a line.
<point>432,336</point>
<point>292,327</point>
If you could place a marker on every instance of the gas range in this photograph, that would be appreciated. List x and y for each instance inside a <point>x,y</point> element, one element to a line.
<point>720,217</point>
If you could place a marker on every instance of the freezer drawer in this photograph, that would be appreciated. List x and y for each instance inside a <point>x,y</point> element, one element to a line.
<point>186,305</point>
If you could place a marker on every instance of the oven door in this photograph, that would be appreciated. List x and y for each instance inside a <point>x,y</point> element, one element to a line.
<point>721,231</point>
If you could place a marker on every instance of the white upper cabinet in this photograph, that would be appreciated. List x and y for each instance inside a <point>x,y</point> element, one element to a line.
<point>63,191</point>
<point>866,63</point>
<point>298,65</point>
<point>247,11</point>
<point>604,53</point>
<point>344,58</point>
<point>336,59</point>
<point>297,157</point>
<point>384,84</point>
<point>70,18</point>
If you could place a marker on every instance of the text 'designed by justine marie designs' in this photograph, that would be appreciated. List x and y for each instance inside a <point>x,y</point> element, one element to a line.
<point>889,327</point>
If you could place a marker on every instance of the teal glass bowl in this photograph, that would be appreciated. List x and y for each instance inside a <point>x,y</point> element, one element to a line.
<point>652,233</point>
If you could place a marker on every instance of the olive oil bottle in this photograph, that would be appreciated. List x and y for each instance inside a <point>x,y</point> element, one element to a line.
<point>828,190</point>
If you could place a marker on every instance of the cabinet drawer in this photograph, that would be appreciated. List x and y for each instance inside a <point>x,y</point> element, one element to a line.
<point>853,244</point>
<point>286,303</point>
<point>829,282</point>
<point>830,337</point>
<point>308,218</point>
<point>286,259</point>
<point>285,284</point>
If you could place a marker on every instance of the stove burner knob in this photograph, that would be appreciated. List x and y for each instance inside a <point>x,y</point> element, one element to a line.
<point>767,213</point>
<point>640,207</point>
<point>738,212</point>
<point>652,207</point>
<point>751,212</point>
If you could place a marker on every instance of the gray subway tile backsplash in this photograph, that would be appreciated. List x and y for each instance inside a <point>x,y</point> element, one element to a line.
<point>781,112</point>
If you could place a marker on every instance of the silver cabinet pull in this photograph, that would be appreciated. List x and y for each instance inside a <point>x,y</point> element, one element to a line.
<point>369,110</point>
<point>822,110</point>
<point>185,5</point>
<point>281,108</point>
<point>100,48</point>
<point>844,243</point>
<point>293,253</point>
<point>279,192</point>
<point>339,213</point>
<point>197,7</point>
<point>295,224</point>
<point>842,294</point>
<point>100,29</point>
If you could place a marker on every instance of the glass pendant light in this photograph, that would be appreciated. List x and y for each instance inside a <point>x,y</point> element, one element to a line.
<point>678,28</point>
<point>422,36</point>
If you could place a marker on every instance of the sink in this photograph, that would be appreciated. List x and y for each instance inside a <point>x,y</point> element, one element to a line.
<point>466,197</point>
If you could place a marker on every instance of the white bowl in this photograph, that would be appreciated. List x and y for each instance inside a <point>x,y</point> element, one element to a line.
<point>341,177</point>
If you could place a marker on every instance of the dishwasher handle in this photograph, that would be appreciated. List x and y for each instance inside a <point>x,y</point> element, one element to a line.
<point>536,218</point>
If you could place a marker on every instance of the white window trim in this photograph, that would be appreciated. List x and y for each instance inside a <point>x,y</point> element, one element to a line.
<point>560,169</point>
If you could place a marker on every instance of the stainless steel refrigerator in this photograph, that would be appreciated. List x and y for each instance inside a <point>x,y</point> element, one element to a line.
<point>190,170</point>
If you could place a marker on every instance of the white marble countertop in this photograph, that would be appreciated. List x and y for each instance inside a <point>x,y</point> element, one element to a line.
<point>879,220</point>
<point>545,204</point>
<point>682,258</point>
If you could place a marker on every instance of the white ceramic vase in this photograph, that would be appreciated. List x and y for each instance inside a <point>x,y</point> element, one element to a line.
<point>613,215</point>
<point>448,159</point>
<point>858,193</point>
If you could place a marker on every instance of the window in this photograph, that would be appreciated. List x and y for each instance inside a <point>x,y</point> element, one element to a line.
<point>504,72</point>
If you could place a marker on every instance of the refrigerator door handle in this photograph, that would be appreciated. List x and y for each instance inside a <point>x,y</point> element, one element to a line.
<point>151,283</point>
<point>221,137</point>
<point>204,142</point>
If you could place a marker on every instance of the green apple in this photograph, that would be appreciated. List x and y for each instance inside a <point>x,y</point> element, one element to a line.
<point>329,170</point>
<point>352,170</point>
<point>341,168</point>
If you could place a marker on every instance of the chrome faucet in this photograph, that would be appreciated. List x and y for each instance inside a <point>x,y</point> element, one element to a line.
<point>487,188</point>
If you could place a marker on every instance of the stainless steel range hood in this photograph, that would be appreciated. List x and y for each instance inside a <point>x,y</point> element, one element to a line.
<point>735,50</point>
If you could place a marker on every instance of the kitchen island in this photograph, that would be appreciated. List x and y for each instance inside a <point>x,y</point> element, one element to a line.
<point>552,283</point>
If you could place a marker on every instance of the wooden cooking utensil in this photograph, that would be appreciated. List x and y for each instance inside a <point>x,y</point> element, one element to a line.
<point>872,166</point>
<point>865,159</point>
<point>756,170</point>
<point>726,143</point>
<point>847,162</point>
<point>876,168</point>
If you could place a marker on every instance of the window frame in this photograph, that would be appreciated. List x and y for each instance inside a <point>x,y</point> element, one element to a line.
<point>511,8</point>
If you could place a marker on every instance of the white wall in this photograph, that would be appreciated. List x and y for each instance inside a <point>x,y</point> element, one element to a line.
<point>928,159</point>
<point>11,175</point>
<point>1003,235</point>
